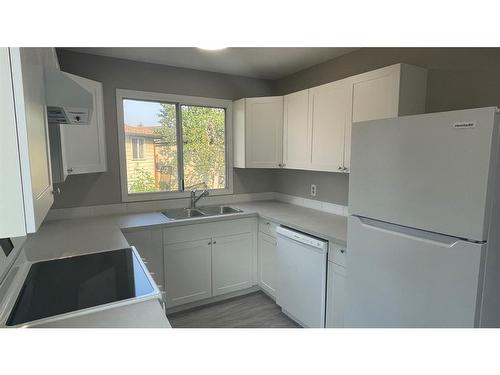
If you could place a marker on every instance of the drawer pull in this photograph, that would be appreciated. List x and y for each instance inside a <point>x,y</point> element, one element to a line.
<point>342,251</point>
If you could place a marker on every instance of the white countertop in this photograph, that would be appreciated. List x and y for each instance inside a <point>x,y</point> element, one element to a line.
<point>69,237</point>
<point>148,314</point>
<point>318,223</point>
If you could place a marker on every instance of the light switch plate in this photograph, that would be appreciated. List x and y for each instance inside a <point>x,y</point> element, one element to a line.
<point>313,190</point>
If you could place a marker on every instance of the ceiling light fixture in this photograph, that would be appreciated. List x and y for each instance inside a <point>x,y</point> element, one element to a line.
<point>212,48</point>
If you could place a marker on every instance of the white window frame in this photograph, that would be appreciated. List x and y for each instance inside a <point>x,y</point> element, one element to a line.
<point>122,94</point>
<point>140,142</point>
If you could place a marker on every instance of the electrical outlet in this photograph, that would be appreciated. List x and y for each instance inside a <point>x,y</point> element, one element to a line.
<point>313,190</point>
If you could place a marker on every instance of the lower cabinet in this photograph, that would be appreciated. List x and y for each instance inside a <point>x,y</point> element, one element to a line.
<point>335,299</point>
<point>267,263</point>
<point>210,259</point>
<point>231,263</point>
<point>188,271</point>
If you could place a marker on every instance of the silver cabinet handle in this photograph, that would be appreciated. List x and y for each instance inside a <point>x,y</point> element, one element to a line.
<point>340,168</point>
<point>210,243</point>
<point>70,170</point>
<point>345,169</point>
<point>214,242</point>
<point>280,165</point>
<point>284,165</point>
<point>342,251</point>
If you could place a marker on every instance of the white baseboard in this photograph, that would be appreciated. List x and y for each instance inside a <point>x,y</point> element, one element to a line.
<point>207,301</point>
<point>154,206</point>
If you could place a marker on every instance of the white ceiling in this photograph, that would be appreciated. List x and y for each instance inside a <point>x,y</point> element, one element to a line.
<point>268,63</point>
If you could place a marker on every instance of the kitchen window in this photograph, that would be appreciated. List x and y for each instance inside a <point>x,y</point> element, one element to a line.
<point>170,143</point>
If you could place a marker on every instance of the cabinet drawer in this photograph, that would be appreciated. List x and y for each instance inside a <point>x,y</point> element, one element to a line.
<point>337,254</point>
<point>268,227</point>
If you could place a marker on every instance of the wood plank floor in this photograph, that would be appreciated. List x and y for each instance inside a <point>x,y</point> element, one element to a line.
<point>255,310</point>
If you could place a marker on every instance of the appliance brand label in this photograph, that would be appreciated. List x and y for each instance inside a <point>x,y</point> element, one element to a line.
<point>464,125</point>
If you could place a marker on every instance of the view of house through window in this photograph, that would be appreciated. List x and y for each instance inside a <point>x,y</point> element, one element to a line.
<point>152,132</point>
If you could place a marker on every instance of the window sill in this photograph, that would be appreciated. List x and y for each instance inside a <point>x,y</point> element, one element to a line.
<point>141,197</point>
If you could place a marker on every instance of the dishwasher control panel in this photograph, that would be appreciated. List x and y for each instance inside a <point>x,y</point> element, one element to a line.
<point>302,237</point>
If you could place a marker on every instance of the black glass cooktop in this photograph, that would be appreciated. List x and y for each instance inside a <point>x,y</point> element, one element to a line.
<point>63,285</point>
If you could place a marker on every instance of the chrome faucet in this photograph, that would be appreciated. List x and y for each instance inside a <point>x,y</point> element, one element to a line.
<point>195,198</point>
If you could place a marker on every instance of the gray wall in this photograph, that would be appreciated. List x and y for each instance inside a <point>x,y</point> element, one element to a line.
<point>458,78</point>
<point>331,187</point>
<point>104,188</point>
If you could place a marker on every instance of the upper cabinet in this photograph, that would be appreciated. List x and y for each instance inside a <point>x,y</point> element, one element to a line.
<point>258,132</point>
<point>27,197</point>
<point>397,90</point>
<point>329,116</point>
<point>12,221</point>
<point>317,122</point>
<point>296,130</point>
<point>78,149</point>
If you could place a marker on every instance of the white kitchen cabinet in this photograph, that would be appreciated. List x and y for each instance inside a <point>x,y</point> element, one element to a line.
<point>232,263</point>
<point>81,149</point>
<point>258,132</point>
<point>149,244</point>
<point>296,145</point>
<point>335,300</point>
<point>318,121</point>
<point>29,196</point>
<point>330,114</point>
<point>393,91</point>
<point>219,253</point>
<point>267,263</point>
<point>188,271</point>
<point>12,222</point>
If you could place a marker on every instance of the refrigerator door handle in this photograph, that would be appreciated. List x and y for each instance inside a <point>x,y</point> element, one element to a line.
<point>422,235</point>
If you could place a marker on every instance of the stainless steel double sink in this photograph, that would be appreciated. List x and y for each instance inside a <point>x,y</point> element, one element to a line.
<point>188,213</point>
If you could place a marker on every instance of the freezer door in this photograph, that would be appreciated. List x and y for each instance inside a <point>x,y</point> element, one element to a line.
<point>426,171</point>
<point>401,277</point>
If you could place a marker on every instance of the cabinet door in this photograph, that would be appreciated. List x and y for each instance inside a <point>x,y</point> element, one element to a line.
<point>188,272</point>
<point>149,244</point>
<point>264,132</point>
<point>329,113</point>
<point>83,147</point>
<point>335,296</point>
<point>12,222</point>
<point>33,136</point>
<point>376,96</point>
<point>267,263</point>
<point>232,263</point>
<point>295,144</point>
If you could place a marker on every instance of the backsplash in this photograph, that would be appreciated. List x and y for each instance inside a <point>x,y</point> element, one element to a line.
<point>331,187</point>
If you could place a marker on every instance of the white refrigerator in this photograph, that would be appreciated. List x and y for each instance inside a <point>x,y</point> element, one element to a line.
<point>423,246</point>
